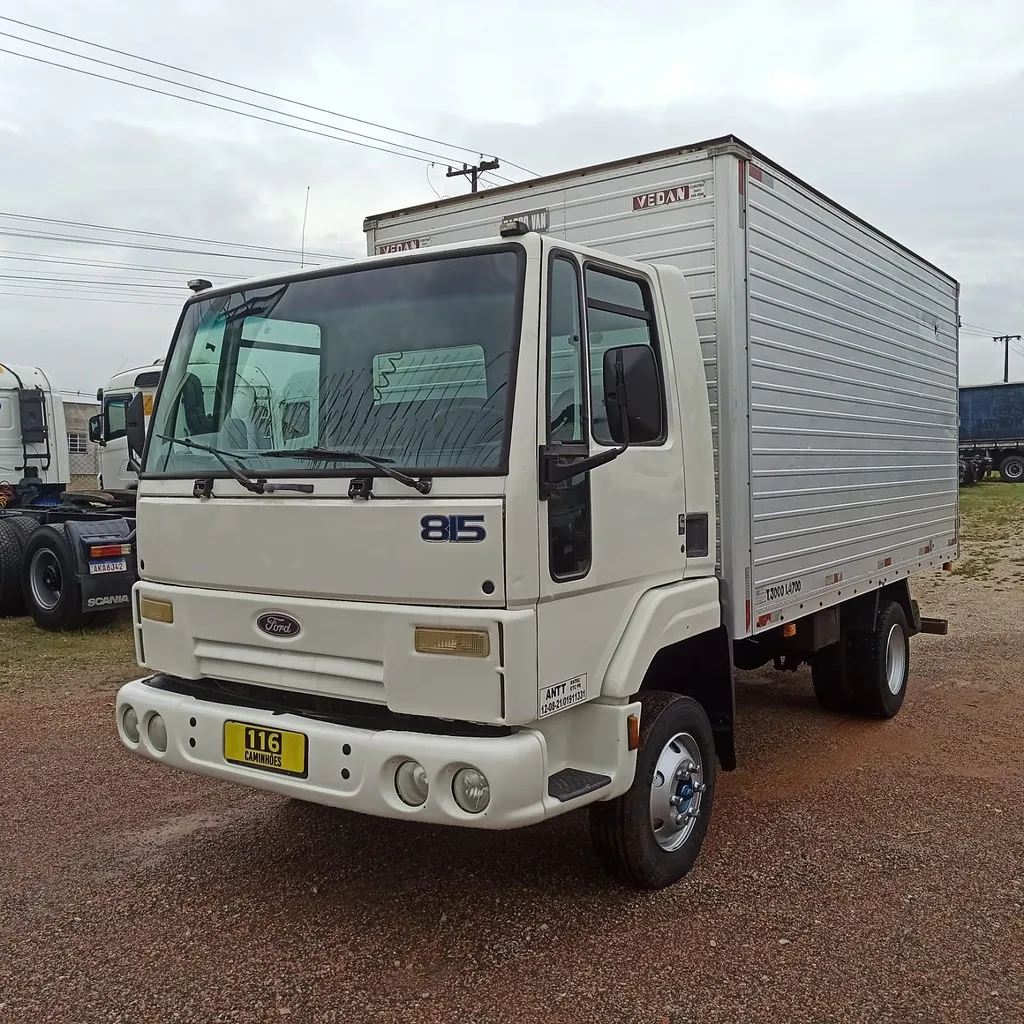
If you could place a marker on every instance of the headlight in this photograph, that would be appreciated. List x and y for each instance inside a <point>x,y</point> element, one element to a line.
<point>411,783</point>
<point>130,723</point>
<point>158,733</point>
<point>471,790</point>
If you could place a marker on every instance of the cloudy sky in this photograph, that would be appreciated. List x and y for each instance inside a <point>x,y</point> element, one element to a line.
<point>910,112</point>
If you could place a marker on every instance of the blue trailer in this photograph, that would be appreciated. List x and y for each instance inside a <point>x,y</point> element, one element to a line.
<point>992,429</point>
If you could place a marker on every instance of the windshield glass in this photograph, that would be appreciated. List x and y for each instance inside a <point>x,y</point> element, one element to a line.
<point>408,363</point>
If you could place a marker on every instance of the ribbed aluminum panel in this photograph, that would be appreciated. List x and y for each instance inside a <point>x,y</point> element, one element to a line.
<point>853,402</point>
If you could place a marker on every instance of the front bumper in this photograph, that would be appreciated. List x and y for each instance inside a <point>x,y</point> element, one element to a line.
<point>363,779</point>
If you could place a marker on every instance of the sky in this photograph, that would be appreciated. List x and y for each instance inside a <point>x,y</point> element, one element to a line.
<point>908,112</point>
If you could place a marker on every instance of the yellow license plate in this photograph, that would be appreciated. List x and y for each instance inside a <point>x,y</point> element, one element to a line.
<point>269,750</point>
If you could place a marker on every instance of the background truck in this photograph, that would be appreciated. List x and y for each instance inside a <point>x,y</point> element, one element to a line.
<point>992,429</point>
<point>64,558</point>
<point>581,446</point>
<point>107,428</point>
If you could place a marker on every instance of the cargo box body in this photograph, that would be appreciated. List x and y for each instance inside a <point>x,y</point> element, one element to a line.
<point>830,353</point>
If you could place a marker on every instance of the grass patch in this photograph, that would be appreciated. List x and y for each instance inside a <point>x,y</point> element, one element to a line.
<point>85,658</point>
<point>991,528</point>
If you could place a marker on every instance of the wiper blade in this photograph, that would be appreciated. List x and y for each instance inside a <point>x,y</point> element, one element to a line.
<point>256,486</point>
<point>421,484</point>
<point>316,452</point>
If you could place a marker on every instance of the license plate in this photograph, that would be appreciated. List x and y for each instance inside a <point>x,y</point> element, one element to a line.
<point>268,750</point>
<point>112,565</point>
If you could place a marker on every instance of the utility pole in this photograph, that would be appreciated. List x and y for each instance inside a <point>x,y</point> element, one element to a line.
<point>1005,339</point>
<point>474,172</point>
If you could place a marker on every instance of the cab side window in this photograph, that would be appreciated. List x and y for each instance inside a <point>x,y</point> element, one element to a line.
<point>569,533</point>
<point>620,311</point>
<point>115,408</point>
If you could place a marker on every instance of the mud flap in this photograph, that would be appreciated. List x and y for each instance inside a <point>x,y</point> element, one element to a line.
<point>100,546</point>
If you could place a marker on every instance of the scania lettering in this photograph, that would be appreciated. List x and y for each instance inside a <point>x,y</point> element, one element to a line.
<point>510,509</point>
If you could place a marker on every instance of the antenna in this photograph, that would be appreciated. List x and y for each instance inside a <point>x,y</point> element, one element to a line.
<point>302,242</point>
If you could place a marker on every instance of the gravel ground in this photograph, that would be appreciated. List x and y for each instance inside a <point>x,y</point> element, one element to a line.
<point>854,871</point>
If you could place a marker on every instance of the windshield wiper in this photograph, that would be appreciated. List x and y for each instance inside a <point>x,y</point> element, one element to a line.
<point>421,484</point>
<point>259,486</point>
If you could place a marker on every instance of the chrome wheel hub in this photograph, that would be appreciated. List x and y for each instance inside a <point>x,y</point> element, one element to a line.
<point>676,791</point>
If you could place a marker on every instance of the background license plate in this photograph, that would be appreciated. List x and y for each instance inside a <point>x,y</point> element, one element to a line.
<point>269,750</point>
<point>113,565</point>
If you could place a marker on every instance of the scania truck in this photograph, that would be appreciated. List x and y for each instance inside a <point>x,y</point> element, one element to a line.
<point>580,448</point>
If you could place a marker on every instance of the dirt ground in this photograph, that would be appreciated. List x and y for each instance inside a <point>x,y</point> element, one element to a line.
<point>854,871</point>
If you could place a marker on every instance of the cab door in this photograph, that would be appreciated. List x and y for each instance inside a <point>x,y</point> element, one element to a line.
<point>613,532</point>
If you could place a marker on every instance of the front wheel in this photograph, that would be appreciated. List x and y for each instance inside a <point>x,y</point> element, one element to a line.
<point>651,835</point>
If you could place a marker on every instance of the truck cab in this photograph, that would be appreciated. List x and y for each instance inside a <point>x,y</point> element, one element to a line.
<point>108,430</point>
<point>35,464</point>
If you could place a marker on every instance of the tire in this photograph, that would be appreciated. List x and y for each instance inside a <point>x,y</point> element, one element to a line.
<point>674,733</point>
<point>14,534</point>
<point>1011,469</point>
<point>879,663</point>
<point>828,675</point>
<point>49,581</point>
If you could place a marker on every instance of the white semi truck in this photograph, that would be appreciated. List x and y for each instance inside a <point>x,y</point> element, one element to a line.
<point>65,558</point>
<point>581,446</point>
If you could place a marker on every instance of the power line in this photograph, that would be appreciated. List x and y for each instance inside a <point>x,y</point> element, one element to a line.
<point>250,89</point>
<point>49,259</point>
<point>212,106</point>
<point>986,332</point>
<point>126,244</point>
<point>87,298</point>
<point>156,286</point>
<point>161,234</point>
<point>207,92</point>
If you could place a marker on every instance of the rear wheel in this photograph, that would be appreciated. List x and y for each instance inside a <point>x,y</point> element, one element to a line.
<point>14,534</point>
<point>828,673</point>
<point>651,835</point>
<point>1011,469</point>
<point>50,581</point>
<point>879,663</point>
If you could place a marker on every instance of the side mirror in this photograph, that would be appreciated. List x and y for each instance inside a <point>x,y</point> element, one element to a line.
<point>135,427</point>
<point>633,395</point>
<point>96,429</point>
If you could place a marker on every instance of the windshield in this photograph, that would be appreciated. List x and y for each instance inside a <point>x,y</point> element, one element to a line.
<point>407,363</point>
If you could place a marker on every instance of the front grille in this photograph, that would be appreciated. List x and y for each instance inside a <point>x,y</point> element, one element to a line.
<point>372,717</point>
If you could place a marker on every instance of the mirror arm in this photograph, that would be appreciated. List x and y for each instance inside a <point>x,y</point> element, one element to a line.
<point>552,473</point>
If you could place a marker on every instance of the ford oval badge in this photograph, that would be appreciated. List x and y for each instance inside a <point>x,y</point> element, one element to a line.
<point>278,624</point>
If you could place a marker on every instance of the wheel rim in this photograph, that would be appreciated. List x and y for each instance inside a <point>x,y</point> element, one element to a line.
<point>45,579</point>
<point>1014,470</point>
<point>895,659</point>
<point>677,789</point>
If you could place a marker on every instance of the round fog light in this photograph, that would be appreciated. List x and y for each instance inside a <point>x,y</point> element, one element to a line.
<point>158,733</point>
<point>471,790</point>
<point>411,783</point>
<point>130,723</point>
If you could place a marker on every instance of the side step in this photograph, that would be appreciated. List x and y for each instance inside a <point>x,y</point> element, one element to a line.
<point>570,783</point>
<point>940,627</point>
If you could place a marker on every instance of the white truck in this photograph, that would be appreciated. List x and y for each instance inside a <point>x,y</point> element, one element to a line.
<point>582,446</point>
<point>107,428</point>
<point>283,417</point>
